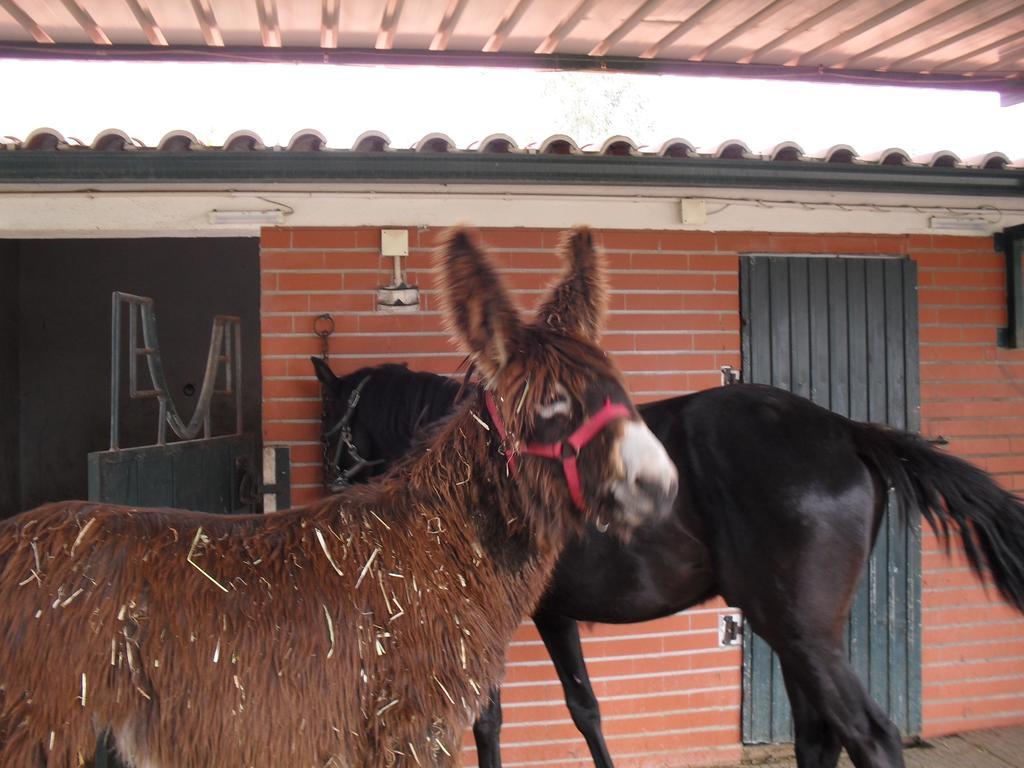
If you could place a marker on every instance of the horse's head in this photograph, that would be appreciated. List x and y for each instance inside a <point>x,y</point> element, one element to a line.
<point>567,421</point>
<point>354,452</point>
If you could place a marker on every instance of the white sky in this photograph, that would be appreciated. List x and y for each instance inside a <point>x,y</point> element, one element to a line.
<point>146,100</point>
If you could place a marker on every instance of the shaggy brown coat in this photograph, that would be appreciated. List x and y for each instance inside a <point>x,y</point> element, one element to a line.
<point>360,632</point>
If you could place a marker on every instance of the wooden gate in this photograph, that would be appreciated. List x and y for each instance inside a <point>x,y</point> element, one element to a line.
<point>216,474</point>
<point>843,333</point>
<point>209,474</point>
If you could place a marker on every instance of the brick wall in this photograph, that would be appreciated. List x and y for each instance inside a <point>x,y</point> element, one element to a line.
<point>973,393</point>
<point>669,695</point>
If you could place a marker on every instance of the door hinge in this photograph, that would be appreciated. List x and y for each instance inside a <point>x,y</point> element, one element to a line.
<point>730,629</point>
<point>731,375</point>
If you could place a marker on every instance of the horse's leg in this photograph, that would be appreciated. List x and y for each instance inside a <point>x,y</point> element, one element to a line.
<point>816,744</point>
<point>561,636</point>
<point>831,689</point>
<point>803,616</point>
<point>487,732</point>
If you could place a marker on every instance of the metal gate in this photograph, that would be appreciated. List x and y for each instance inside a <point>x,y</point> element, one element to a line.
<point>843,333</point>
<point>208,474</point>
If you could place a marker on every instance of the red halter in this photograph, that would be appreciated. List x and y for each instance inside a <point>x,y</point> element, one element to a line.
<point>567,450</point>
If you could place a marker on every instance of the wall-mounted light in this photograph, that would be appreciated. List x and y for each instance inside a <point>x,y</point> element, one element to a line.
<point>272,216</point>
<point>973,223</point>
<point>398,295</point>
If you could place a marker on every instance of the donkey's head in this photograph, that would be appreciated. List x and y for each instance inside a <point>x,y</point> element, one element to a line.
<point>556,402</point>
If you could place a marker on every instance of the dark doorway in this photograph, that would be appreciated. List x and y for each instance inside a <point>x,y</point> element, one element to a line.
<point>55,347</point>
<point>843,333</point>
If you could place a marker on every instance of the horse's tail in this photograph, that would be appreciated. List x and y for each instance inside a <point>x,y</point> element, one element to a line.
<point>951,493</point>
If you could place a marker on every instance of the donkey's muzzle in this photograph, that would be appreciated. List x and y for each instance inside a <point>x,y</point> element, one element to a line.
<point>648,489</point>
<point>644,501</point>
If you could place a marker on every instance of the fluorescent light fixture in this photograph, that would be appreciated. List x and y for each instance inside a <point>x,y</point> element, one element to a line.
<point>959,222</point>
<point>272,216</point>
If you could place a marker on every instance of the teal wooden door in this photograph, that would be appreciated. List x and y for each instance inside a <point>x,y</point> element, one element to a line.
<point>843,333</point>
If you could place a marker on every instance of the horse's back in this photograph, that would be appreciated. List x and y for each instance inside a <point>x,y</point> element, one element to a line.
<point>777,483</point>
<point>752,426</point>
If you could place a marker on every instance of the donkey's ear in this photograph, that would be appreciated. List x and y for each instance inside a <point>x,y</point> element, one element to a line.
<point>323,371</point>
<point>477,305</point>
<point>577,303</point>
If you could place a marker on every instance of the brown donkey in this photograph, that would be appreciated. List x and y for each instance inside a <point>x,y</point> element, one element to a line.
<point>360,632</point>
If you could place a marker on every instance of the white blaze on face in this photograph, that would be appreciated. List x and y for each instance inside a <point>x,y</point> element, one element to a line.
<point>648,470</point>
<point>560,404</point>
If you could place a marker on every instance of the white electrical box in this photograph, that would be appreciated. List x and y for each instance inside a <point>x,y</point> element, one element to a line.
<point>394,242</point>
<point>693,211</point>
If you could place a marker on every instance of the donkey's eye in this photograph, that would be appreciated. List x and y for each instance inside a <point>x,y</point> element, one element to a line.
<point>560,406</point>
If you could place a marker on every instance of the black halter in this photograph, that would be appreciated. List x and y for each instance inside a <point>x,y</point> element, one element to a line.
<point>343,428</point>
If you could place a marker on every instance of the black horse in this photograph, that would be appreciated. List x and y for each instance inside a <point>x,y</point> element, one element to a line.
<point>798,501</point>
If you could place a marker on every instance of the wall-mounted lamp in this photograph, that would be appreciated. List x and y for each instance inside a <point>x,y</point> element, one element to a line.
<point>398,295</point>
<point>972,223</point>
<point>274,216</point>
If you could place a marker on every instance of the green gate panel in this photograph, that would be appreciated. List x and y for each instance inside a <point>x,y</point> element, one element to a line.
<point>843,333</point>
<point>201,475</point>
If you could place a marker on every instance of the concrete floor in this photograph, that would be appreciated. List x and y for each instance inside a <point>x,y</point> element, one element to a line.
<point>999,748</point>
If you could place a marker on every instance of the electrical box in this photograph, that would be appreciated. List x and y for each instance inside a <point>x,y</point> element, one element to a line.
<point>394,242</point>
<point>693,211</point>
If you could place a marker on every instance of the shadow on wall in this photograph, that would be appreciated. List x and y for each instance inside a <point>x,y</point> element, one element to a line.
<point>55,348</point>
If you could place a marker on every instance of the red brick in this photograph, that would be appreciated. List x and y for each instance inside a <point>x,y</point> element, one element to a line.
<point>290,260</point>
<point>275,346</point>
<point>657,341</point>
<point>307,475</point>
<point>687,241</point>
<point>654,261</point>
<point>274,388</point>
<point>664,283</point>
<point>547,261</point>
<point>931,259</point>
<point>304,496</point>
<point>892,244</point>
<point>269,367</point>
<point>983,260</point>
<point>711,262</point>
<point>510,238</point>
<point>798,244</point>
<point>961,243</point>
<point>723,341</point>
<point>342,302</point>
<point>411,323</point>
<point>727,283</point>
<point>275,237</point>
<point>292,410</point>
<point>629,239</point>
<point>309,281</point>
<point>324,238</point>
<point>964,278</point>
<point>348,260</point>
<point>852,244</point>
<point>286,431</point>
<point>743,242</point>
<point>284,302</point>
<point>309,453</point>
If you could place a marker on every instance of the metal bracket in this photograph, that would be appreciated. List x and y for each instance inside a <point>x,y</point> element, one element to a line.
<point>275,480</point>
<point>1011,242</point>
<point>225,349</point>
<point>730,630</point>
<point>731,375</point>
